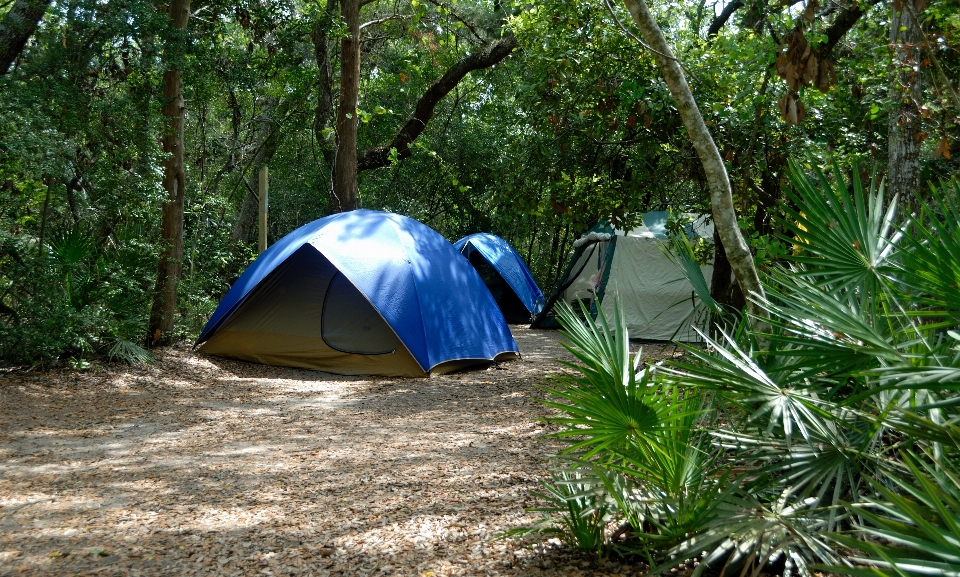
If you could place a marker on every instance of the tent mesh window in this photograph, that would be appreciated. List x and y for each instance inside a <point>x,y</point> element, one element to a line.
<point>350,324</point>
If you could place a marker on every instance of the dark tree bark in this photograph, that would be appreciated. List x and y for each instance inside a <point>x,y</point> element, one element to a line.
<point>45,213</point>
<point>721,19</point>
<point>492,54</point>
<point>17,26</point>
<point>903,123</point>
<point>722,288</point>
<point>324,113</point>
<point>345,171</point>
<point>174,182</point>
<point>842,24</point>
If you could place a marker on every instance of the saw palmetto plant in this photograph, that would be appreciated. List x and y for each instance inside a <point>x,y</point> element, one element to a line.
<point>831,430</point>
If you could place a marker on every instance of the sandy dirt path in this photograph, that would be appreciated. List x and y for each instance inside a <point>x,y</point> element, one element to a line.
<point>204,466</point>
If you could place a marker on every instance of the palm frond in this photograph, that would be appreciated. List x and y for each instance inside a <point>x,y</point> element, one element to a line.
<point>930,267</point>
<point>790,405</point>
<point>130,353</point>
<point>845,236</point>
<point>576,510</point>
<point>914,530</point>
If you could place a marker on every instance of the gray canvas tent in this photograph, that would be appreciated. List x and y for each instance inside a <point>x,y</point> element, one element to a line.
<point>610,265</point>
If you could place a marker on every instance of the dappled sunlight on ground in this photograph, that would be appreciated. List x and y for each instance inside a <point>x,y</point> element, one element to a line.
<point>203,466</point>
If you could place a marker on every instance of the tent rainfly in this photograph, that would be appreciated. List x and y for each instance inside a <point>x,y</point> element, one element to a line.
<point>505,274</point>
<point>610,265</point>
<point>361,292</point>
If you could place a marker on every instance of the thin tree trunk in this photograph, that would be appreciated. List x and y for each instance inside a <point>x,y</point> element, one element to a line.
<point>17,26</point>
<point>324,113</point>
<point>345,171</point>
<point>721,194</point>
<point>560,255</point>
<point>554,248</point>
<point>44,217</point>
<point>174,182</point>
<point>533,238</point>
<point>903,153</point>
<point>268,140</point>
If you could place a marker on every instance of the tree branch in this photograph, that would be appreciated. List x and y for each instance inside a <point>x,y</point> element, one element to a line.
<point>380,156</point>
<point>842,24</point>
<point>382,20</point>
<point>17,26</point>
<point>721,193</point>
<point>633,36</point>
<point>458,18</point>
<point>927,46</point>
<point>721,19</point>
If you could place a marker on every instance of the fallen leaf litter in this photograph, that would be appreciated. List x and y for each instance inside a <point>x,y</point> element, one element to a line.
<point>205,466</point>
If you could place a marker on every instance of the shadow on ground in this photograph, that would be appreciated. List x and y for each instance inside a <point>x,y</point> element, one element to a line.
<point>205,466</point>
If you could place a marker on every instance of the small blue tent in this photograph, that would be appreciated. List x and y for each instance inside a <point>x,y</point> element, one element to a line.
<point>360,292</point>
<point>505,274</point>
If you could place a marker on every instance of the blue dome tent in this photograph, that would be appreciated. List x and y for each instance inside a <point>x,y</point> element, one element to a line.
<point>361,292</point>
<point>505,274</point>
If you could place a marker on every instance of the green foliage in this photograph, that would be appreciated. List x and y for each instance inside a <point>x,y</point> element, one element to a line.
<point>576,511</point>
<point>574,127</point>
<point>912,528</point>
<point>859,364</point>
<point>130,353</point>
<point>643,443</point>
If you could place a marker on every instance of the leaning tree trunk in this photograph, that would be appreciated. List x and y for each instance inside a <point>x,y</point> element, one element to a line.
<point>17,26</point>
<point>174,182</point>
<point>903,129</point>
<point>345,171</point>
<point>721,194</point>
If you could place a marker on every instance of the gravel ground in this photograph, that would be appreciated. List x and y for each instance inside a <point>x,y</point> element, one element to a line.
<point>204,466</point>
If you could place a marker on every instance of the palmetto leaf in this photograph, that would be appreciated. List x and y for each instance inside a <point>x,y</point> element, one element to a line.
<point>828,469</point>
<point>919,524</point>
<point>845,236</point>
<point>930,267</point>
<point>685,260</point>
<point>789,404</point>
<point>607,410</point>
<point>576,510</point>
<point>827,322</point>
<point>641,437</point>
<point>130,353</point>
<point>742,541</point>
<point>73,247</point>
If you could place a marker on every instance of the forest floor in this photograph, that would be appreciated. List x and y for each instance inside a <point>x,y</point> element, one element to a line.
<point>198,465</point>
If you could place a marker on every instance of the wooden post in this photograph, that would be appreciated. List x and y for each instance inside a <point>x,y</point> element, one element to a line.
<point>264,173</point>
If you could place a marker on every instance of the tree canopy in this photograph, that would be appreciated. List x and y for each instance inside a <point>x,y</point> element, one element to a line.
<point>532,121</point>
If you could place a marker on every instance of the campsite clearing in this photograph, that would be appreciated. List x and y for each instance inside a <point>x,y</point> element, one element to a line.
<point>204,466</point>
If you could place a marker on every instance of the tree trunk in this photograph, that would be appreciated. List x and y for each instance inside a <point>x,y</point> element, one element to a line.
<point>324,113</point>
<point>345,171</point>
<point>174,182</point>
<point>722,288</point>
<point>17,26</point>
<point>268,141</point>
<point>721,195</point>
<point>903,153</point>
<point>45,215</point>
